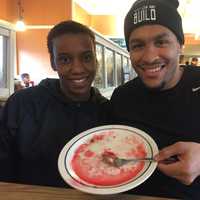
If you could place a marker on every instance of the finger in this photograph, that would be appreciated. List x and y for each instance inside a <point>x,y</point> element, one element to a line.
<point>170,160</point>
<point>173,170</point>
<point>170,169</point>
<point>170,151</point>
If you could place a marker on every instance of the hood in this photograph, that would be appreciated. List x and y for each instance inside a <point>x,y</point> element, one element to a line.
<point>52,86</point>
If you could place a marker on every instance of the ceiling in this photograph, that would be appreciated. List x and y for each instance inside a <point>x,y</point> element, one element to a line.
<point>105,7</point>
<point>189,10</point>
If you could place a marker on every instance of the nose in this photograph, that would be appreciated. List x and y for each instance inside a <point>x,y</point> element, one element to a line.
<point>150,53</point>
<point>78,66</point>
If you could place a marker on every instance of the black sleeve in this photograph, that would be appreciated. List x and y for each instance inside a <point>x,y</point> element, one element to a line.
<point>8,131</point>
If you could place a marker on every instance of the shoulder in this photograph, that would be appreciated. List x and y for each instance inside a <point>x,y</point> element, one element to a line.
<point>192,71</point>
<point>97,97</point>
<point>28,93</point>
<point>27,97</point>
<point>192,75</point>
<point>30,102</point>
<point>126,89</point>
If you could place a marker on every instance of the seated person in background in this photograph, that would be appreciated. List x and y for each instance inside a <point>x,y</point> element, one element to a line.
<point>37,122</point>
<point>164,99</point>
<point>194,61</point>
<point>17,85</point>
<point>186,63</point>
<point>26,80</point>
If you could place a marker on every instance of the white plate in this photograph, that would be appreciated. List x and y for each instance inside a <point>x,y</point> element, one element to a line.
<point>114,138</point>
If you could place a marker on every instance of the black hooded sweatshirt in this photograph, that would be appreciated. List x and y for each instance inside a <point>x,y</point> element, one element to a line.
<point>35,125</point>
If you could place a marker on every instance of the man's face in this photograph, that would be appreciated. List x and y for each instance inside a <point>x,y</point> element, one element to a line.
<point>195,62</point>
<point>75,63</point>
<point>26,79</point>
<point>154,53</point>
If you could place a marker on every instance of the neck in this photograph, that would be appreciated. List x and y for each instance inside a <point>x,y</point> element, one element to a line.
<point>74,97</point>
<point>176,78</point>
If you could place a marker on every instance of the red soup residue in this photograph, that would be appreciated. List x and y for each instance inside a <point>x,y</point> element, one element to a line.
<point>89,166</point>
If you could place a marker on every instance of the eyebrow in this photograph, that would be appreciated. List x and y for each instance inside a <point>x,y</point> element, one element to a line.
<point>82,53</point>
<point>157,37</point>
<point>63,54</point>
<point>88,51</point>
<point>162,35</point>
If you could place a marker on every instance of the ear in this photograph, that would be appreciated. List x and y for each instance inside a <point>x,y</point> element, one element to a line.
<point>53,65</point>
<point>96,61</point>
<point>97,64</point>
<point>181,49</point>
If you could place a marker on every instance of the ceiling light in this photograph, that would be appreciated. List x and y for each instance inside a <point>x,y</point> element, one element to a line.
<point>20,25</point>
<point>196,37</point>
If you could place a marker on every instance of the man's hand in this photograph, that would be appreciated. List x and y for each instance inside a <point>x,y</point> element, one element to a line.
<point>187,168</point>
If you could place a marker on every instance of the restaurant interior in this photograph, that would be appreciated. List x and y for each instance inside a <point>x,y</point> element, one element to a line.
<point>24,25</point>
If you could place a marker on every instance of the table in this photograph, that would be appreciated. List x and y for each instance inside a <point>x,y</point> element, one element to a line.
<point>12,191</point>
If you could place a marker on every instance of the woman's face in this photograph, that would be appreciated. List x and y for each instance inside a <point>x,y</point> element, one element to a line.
<point>75,63</point>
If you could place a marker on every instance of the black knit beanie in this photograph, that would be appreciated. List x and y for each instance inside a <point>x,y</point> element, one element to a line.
<point>162,12</point>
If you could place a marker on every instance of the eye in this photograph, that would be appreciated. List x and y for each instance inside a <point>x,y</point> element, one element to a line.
<point>88,57</point>
<point>63,60</point>
<point>136,46</point>
<point>162,43</point>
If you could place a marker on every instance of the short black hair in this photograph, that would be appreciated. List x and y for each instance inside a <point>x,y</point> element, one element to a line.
<point>24,75</point>
<point>66,27</point>
<point>194,59</point>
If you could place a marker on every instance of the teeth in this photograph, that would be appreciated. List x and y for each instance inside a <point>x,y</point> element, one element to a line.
<point>153,70</point>
<point>79,80</point>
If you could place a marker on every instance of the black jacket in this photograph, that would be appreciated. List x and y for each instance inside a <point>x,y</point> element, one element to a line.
<point>36,123</point>
<point>168,116</point>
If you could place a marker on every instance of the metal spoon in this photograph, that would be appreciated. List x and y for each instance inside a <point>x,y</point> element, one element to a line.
<point>118,162</point>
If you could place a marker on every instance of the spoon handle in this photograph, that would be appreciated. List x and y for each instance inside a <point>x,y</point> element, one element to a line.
<point>121,161</point>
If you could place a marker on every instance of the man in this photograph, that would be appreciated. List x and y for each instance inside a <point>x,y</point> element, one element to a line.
<point>26,80</point>
<point>164,99</point>
<point>38,121</point>
<point>194,62</point>
<point>18,85</point>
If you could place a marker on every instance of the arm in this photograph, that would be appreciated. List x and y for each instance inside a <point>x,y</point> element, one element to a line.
<point>187,168</point>
<point>8,129</point>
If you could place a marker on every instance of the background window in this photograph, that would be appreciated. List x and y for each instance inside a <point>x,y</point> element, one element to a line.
<point>126,69</point>
<point>3,64</point>
<point>109,64</point>
<point>7,60</point>
<point>120,78</point>
<point>99,79</point>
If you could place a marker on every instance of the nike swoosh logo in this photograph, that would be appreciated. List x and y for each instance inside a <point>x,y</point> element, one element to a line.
<point>195,89</point>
